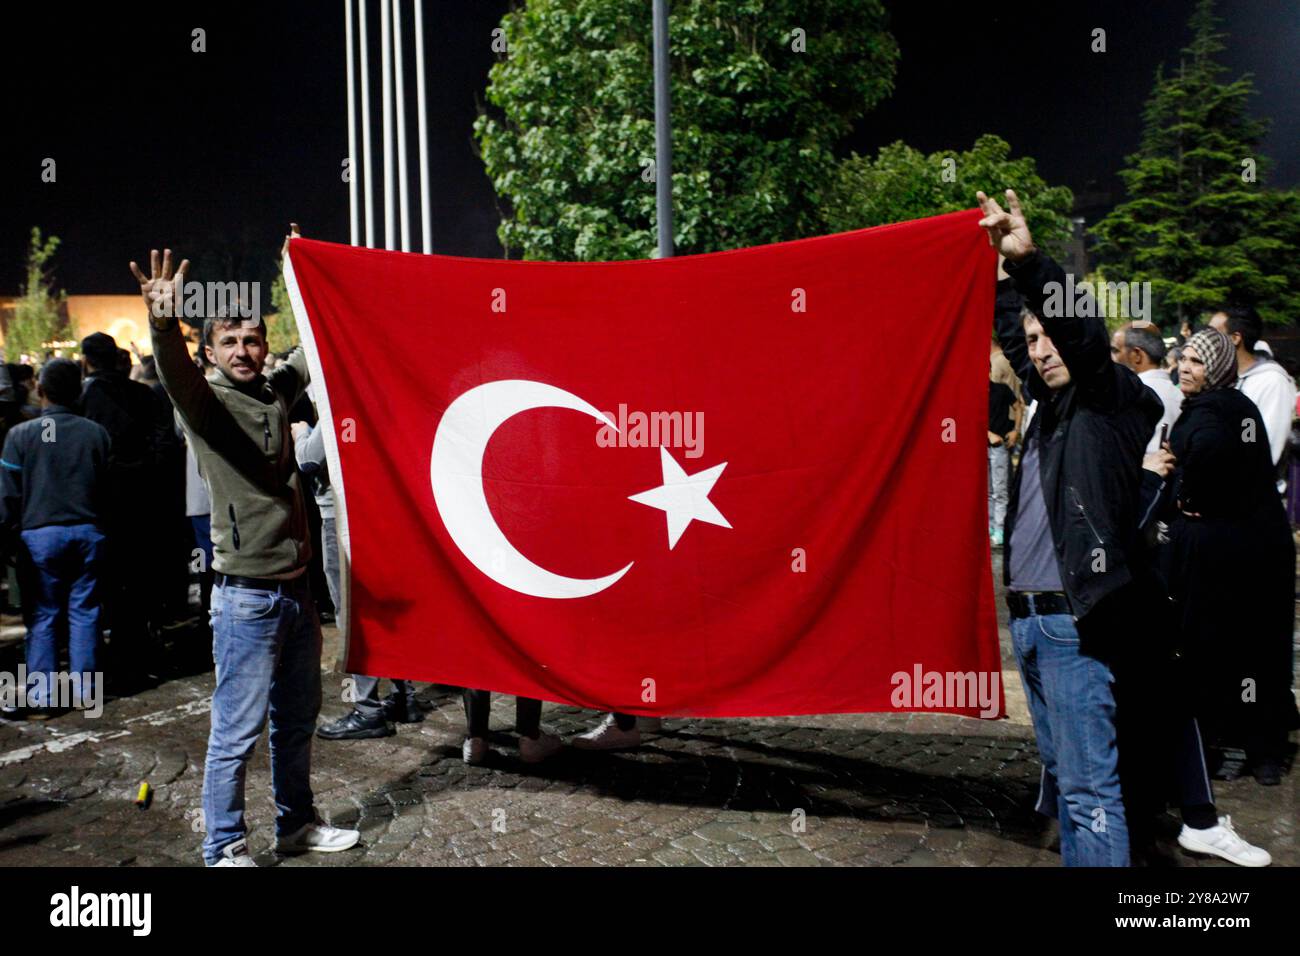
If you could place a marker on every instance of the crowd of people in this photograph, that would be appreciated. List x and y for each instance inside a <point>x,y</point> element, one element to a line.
<point>1147,555</point>
<point>1131,503</point>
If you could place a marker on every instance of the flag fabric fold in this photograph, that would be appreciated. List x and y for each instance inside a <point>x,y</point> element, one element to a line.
<point>738,484</point>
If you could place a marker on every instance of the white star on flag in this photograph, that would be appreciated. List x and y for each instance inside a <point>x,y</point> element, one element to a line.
<point>683,498</point>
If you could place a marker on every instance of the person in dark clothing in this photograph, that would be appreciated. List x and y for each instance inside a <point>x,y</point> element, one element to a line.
<point>1227,524</point>
<point>52,481</point>
<point>24,381</point>
<point>175,537</point>
<point>1074,561</point>
<point>10,401</point>
<point>127,410</point>
<point>134,419</point>
<point>535,744</point>
<point>1162,756</point>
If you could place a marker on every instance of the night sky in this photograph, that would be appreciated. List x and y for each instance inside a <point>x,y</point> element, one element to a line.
<point>213,153</point>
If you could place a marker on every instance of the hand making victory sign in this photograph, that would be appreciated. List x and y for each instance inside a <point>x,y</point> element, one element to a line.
<point>1008,231</point>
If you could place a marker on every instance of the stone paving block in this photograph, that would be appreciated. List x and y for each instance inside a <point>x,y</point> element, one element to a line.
<point>691,842</point>
<point>717,832</point>
<point>797,857</point>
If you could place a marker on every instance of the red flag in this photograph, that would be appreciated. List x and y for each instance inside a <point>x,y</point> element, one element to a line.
<point>745,483</point>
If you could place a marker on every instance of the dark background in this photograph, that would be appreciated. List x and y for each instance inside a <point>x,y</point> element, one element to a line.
<point>213,153</point>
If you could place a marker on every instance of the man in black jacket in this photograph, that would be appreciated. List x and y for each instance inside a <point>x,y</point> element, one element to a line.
<point>1074,564</point>
<point>136,421</point>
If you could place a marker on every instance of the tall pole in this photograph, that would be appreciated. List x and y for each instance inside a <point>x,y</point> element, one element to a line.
<point>367,140</point>
<point>386,64</point>
<point>663,133</point>
<point>422,124</point>
<point>353,218</point>
<point>400,78</point>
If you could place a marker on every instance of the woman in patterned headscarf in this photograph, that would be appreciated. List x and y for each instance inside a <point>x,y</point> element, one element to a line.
<point>1231,560</point>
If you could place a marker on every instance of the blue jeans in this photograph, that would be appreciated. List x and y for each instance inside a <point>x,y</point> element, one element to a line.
<point>68,560</point>
<point>1072,703</point>
<point>266,645</point>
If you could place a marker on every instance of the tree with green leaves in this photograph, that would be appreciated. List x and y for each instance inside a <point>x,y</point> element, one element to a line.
<point>1199,224</point>
<point>39,313</point>
<point>762,92</point>
<point>281,326</point>
<point>902,183</point>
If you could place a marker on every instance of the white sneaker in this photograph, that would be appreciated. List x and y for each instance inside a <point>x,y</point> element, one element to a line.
<point>607,736</point>
<point>474,750</point>
<point>1222,840</point>
<point>535,750</point>
<point>319,837</point>
<point>235,854</point>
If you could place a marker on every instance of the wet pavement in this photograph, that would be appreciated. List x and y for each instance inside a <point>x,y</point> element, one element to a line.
<point>875,789</point>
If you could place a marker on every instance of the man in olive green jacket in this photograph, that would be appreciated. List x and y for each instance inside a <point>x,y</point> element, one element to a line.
<point>266,638</point>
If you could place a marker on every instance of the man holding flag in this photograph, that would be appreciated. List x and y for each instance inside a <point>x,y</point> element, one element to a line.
<point>1074,565</point>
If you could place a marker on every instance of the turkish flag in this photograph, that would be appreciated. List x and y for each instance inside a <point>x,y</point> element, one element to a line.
<point>744,483</point>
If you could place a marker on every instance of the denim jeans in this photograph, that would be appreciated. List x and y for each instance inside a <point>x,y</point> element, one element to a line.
<point>1072,703</point>
<point>267,647</point>
<point>68,561</point>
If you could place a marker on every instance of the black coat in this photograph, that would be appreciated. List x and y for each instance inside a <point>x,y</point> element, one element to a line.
<point>1091,436</point>
<point>133,417</point>
<point>1230,564</point>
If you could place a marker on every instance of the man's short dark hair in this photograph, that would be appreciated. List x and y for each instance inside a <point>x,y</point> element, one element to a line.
<point>61,381</point>
<point>1147,339</point>
<point>210,325</point>
<point>1244,320</point>
<point>100,351</point>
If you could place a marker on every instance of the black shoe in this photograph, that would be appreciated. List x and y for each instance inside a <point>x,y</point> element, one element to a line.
<point>1268,773</point>
<point>402,709</point>
<point>356,726</point>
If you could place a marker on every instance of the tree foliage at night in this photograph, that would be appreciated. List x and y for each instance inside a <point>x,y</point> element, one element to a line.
<point>1199,224</point>
<point>38,313</point>
<point>902,183</point>
<point>568,140</point>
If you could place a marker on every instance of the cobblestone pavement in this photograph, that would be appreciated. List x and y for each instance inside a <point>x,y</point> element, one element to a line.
<point>898,789</point>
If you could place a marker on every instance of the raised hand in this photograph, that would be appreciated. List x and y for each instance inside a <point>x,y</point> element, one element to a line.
<point>1008,231</point>
<point>159,290</point>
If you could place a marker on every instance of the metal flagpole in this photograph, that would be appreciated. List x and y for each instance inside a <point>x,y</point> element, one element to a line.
<point>366,140</point>
<point>422,120</point>
<point>663,132</point>
<point>399,74</point>
<point>353,218</point>
<point>386,64</point>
